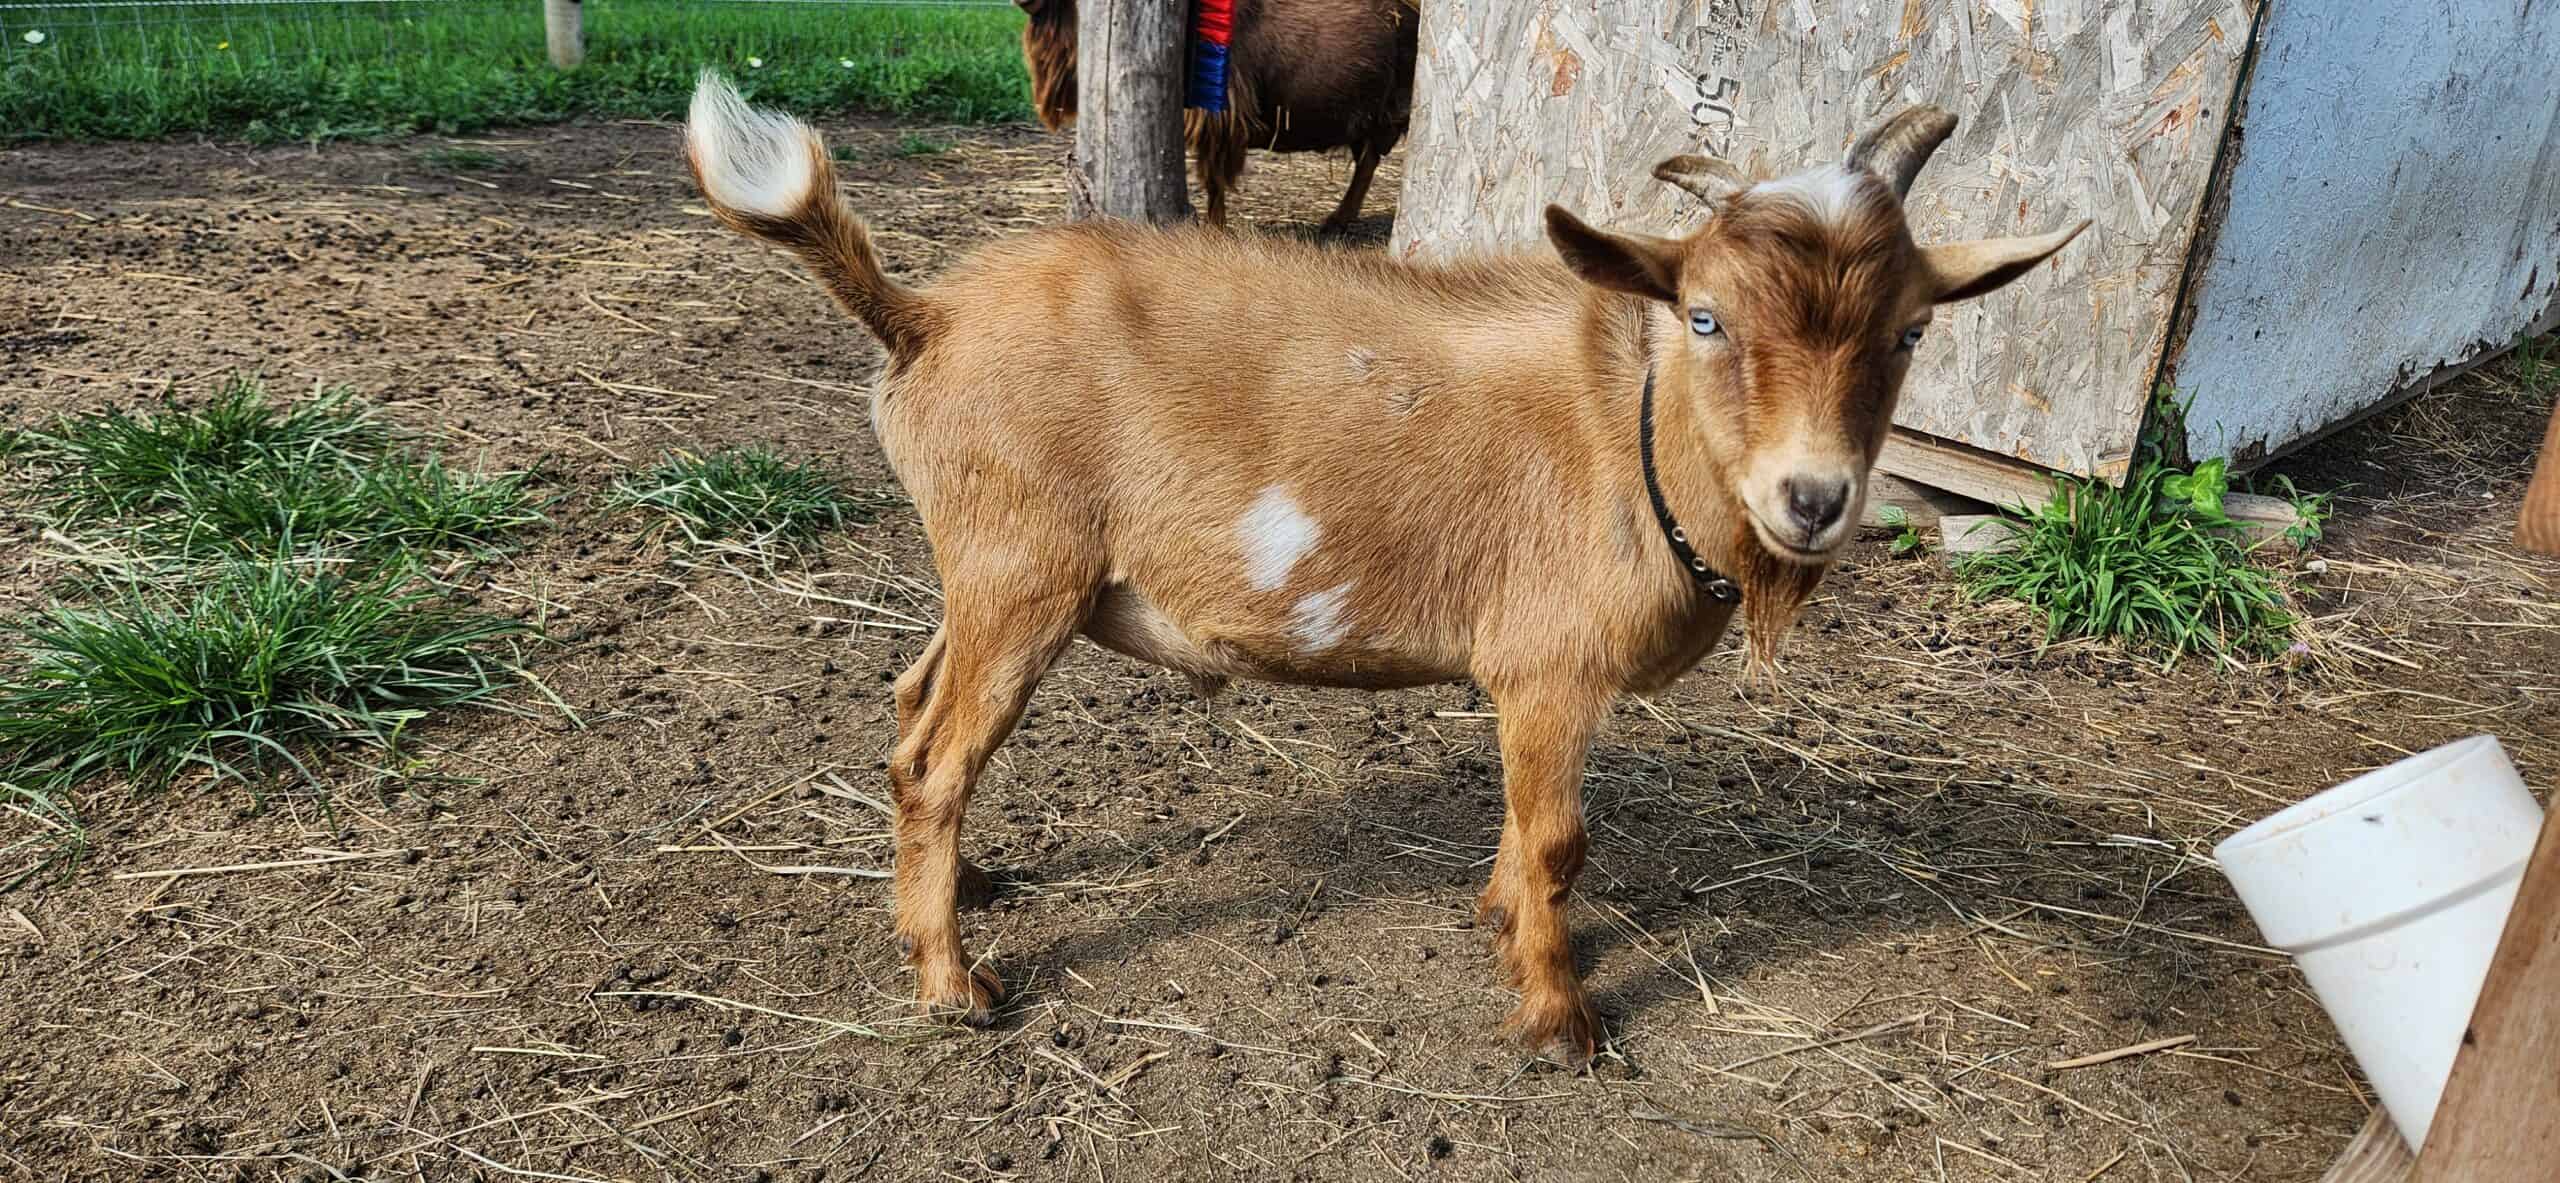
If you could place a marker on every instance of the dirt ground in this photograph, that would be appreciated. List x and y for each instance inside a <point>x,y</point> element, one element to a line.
<point>1839,932</point>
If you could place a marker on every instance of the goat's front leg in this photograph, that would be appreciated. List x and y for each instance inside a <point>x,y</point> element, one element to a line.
<point>1347,214</point>
<point>1546,731</point>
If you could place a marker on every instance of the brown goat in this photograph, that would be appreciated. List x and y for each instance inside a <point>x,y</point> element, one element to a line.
<point>1239,456</point>
<point>1302,76</point>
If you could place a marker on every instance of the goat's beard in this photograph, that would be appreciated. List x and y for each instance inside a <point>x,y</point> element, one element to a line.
<point>1774,590</point>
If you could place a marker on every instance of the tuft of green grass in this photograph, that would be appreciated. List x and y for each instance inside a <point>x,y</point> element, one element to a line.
<point>909,146</point>
<point>2537,364</point>
<point>253,592</point>
<point>112,464</point>
<point>242,475</point>
<point>2155,564</point>
<point>315,69</point>
<point>751,494</point>
<point>243,676</point>
<point>914,144</point>
<point>406,504</point>
<point>2311,511</point>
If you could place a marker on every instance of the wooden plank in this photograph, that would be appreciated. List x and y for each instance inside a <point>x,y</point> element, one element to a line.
<point>2499,1119</point>
<point>2263,519</point>
<point>1129,87</point>
<point>2377,1155</point>
<point>1921,505</point>
<point>2538,528</point>
<point>2108,111</point>
<point>1994,480</point>
<point>1962,536</point>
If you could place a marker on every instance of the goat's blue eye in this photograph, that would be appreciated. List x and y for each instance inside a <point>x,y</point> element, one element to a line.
<point>1703,323</point>
<point>1910,340</point>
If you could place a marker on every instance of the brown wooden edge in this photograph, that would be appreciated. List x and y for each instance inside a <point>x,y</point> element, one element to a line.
<point>2499,1121</point>
<point>2000,481</point>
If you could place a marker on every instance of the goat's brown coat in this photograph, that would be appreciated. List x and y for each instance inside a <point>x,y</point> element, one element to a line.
<point>1302,76</point>
<point>1087,416</point>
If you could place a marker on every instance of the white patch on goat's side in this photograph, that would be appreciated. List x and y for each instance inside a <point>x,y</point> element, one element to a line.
<point>1274,534</point>
<point>751,160</point>
<point>1318,621</point>
<point>1831,192</point>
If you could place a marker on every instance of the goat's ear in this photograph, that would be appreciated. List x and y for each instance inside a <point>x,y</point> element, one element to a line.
<point>1963,270</point>
<point>1706,178</point>
<point>1638,263</point>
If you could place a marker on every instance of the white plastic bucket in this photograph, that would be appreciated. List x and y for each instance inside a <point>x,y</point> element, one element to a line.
<point>2390,891</point>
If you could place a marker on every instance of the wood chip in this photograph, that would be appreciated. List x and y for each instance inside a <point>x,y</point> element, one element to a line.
<point>2122,1053</point>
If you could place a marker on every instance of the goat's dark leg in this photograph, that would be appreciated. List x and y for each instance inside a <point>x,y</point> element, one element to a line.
<point>1347,214</point>
<point>1217,193</point>
<point>1546,732</point>
<point>1217,144</point>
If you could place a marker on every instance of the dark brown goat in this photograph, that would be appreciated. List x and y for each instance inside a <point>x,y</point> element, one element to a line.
<point>1302,76</point>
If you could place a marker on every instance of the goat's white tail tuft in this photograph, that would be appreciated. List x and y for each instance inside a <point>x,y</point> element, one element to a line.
<point>767,175</point>
<point>753,161</point>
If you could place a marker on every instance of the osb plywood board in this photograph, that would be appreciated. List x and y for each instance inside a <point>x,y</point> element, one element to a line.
<point>2393,210</point>
<point>2068,108</point>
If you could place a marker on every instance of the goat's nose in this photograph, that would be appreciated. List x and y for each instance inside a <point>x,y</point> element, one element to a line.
<point>1816,504</point>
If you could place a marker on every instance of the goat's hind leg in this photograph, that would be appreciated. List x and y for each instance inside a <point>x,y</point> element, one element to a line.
<point>956,706</point>
<point>1217,157</point>
<point>972,888</point>
<point>1347,214</point>
<point>1546,732</point>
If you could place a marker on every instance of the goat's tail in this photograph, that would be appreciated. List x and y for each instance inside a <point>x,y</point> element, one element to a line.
<point>767,175</point>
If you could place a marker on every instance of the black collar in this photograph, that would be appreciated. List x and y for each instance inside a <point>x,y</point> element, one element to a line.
<point>1710,584</point>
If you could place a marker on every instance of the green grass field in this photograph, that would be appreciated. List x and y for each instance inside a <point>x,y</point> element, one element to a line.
<point>352,68</point>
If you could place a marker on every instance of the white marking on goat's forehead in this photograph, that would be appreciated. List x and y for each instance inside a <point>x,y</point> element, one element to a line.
<point>1274,534</point>
<point>1832,192</point>
<point>1318,621</point>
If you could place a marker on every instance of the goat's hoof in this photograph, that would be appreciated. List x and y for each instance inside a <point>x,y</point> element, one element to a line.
<point>972,889</point>
<point>1560,1027</point>
<point>965,998</point>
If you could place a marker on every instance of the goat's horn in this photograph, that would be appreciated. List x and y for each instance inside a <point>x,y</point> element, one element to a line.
<point>1897,148</point>
<point>1706,178</point>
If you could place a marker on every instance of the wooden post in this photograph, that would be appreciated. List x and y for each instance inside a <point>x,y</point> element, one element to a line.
<point>2499,1118</point>
<point>1130,56</point>
<point>564,27</point>
<point>2499,1121</point>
